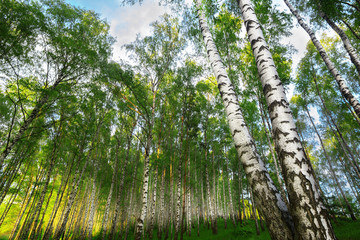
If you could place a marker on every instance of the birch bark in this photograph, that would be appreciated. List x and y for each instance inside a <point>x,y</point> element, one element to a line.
<point>344,89</point>
<point>113,231</point>
<point>347,44</point>
<point>310,216</point>
<point>141,219</point>
<point>108,201</point>
<point>330,166</point>
<point>276,214</point>
<point>33,115</point>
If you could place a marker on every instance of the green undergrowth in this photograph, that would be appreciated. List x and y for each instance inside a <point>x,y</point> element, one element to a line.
<point>345,229</point>
<point>246,230</point>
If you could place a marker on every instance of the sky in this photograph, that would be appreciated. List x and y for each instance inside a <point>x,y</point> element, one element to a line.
<point>128,21</point>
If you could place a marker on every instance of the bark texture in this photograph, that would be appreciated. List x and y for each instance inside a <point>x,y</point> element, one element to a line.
<point>309,213</point>
<point>276,214</point>
<point>347,44</point>
<point>344,89</point>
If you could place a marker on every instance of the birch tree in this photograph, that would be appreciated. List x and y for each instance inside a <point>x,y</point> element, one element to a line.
<point>263,188</point>
<point>296,167</point>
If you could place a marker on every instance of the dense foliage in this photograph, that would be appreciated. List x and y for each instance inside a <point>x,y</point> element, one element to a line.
<point>195,130</point>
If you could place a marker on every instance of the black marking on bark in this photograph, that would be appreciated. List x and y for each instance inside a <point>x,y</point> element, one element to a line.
<point>262,48</point>
<point>249,24</point>
<point>267,88</point>
<point>278,132</point>
<point>281,103</point>
<point>256,40</point>
<point>294,140</point>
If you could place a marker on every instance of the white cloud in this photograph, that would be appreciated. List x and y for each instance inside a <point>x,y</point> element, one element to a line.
<point>314,114</point>
<point>127,21</point>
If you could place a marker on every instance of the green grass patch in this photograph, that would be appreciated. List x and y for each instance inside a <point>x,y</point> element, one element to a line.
<point>246,230</point>
<point>346,229</point>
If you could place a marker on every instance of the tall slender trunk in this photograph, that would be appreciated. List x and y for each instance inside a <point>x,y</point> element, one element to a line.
<point>202,198</point>
<point>30,199</point>
<point>354,187</point>
<point>72,196</point>
<point>114,231</point>
<point>282,191</point>
<point>242,196</point>
<point>74,189</point>
<point>162,207</point>
<point>330,165</point>
<point>347,44</point>
<point>182,225</point>
<point>189,211</point>
<point>152,219</point>
<point>168,221</point>
<point>225,205</point>
<point>239,198</point>
<point>90,224</point>
<point>231,210</point>
<point>297,170</point>
<point>59,196</point>
<point>211,216</point>
<point>133,192</point>
<point>351,29</point>
<point>83,231</point>
<point>35,216</point>
<point>344,89</point>
<point>14,195</point>
<point>254,213</point>
<point>79,215</point>
<point>179,172</point>
<point>214,181</point>
<point>33,115</point>
<point>342,142</point>
<point>38,228</point>
<point>197,199</point>
<point>108,201</point>
<point>153,203</point>
<point>141,218</point>
<point>277,217</point>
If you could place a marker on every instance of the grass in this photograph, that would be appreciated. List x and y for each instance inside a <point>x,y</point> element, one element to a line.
<point>345,229</point>
<point>243,231</point>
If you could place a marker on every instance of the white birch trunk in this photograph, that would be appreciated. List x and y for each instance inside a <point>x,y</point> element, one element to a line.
<point>33,115</point>
<point>152,218</point>
<point>347,44</point>
<point>141,218</point>
<point>108,201</point>
<point>309,213</point>
<point>276,214</point>
<point>225,205</point>
<point>330,166</point>
<point>189,201</point>
<point>92,201</point>
<point>162,208</point>
<point>344,89</point>
<point>178,200</point>
<point>231,210</point>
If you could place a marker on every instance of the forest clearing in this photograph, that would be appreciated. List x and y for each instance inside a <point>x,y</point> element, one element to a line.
<point>203,125</point>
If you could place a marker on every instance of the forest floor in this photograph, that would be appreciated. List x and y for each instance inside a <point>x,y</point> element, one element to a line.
<point>345,230</point>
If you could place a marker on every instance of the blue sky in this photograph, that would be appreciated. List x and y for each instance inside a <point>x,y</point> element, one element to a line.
<point>127,21</point>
